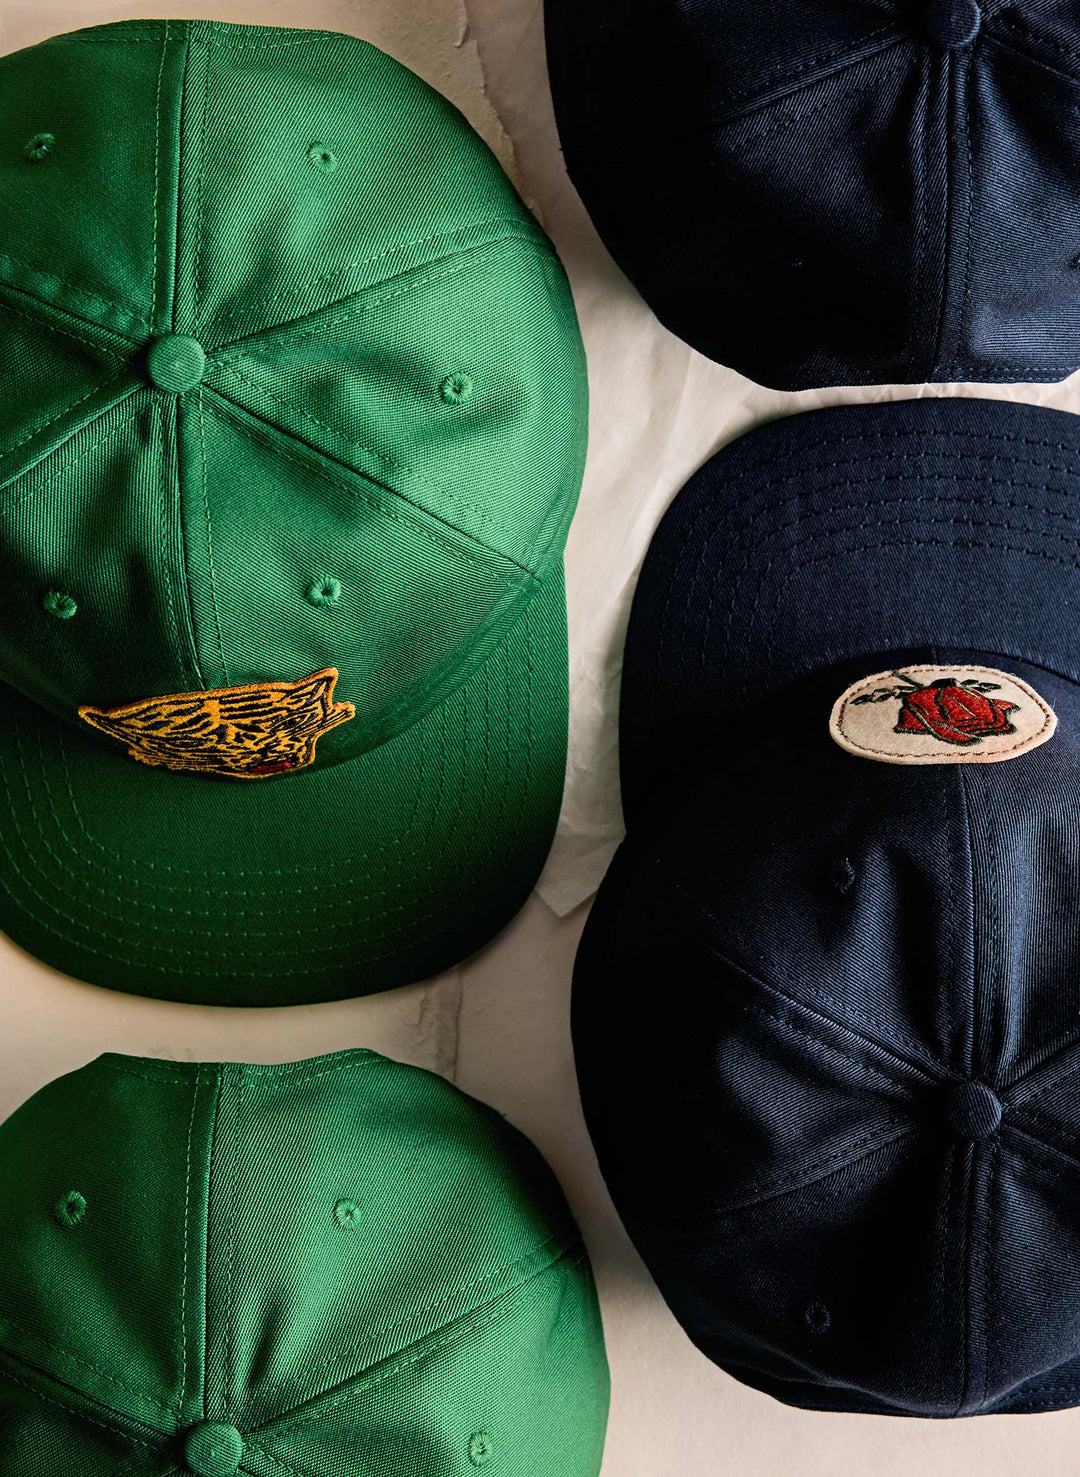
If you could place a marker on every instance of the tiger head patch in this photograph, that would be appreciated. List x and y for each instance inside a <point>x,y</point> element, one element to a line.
<point>245,732</point>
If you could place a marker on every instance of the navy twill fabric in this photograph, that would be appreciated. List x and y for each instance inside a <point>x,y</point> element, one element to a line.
<point>852,531</point>
<point>848,1148</point>
<point>833,192</point>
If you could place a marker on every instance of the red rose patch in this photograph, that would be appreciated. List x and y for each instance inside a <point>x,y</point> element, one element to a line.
<point>941,715</point>
<point>956,713</point>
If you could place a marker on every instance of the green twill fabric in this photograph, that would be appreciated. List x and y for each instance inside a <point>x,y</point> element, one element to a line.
<point>337,1268</point>
<point>294,426</point>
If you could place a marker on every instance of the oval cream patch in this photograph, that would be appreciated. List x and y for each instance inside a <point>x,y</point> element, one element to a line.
<point>941,715</point>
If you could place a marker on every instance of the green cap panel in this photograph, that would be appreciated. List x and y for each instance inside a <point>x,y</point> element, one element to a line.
<point>521,1388</point>
<point>86,223</point>
<point>284,231</point>
<point>333,1264</point>
<point>105,1183</point>
<point>364,1205</point>
<point>95,522</point>
<point>461,385</point>
<point>57,373</point>
<point>345,575</point>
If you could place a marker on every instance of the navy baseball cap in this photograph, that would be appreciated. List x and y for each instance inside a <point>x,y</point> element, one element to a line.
<point>848,1148</point>
<point>832,192</point>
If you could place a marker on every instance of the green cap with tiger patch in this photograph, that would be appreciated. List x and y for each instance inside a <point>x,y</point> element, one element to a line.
<point>294,426</point>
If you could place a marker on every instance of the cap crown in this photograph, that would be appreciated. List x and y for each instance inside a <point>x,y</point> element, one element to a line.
<point>836,191</point>
<point>344,1261</point>
<point>294,381</point>
<point>867,1094</point>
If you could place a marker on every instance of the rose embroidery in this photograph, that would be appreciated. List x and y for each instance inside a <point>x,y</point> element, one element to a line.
<point>954,712</point>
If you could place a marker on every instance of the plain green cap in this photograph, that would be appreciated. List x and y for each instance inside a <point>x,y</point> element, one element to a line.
<point>340,1265</point>
<point>288,455</point>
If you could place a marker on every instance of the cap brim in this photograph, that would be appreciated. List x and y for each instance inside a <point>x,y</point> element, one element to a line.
<point>338,882</point>
<point>918,524</point>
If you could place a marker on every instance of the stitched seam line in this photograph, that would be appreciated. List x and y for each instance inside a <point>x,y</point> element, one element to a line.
<point>157,175</point>
<point>92,297</point>
<point>61,330</point>
<point>553,1249</point>
<point>793,74</point>
<point>73,1409</point>
<point>784,1017</point>
<point>173,624</point>
<point>396,250</point>
<point>30,1337</point>
<point>381,456</point>
<point>74,405</point>
<point>920,1066</point>
<point>184,1270</point>
<point>965,314</point>
<point>1046,1145</point>
<point>377,506</point>
<point>464,259</point>
<point>210,537</point>
<point>401,1363</point>
<point>73,461</point>
<point>1021,1099</point>
<point>790,120</point>
<point>765,1190</point>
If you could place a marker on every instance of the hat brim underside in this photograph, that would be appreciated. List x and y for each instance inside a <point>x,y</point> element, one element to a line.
<point>334,883</point>
<point>837,534</point>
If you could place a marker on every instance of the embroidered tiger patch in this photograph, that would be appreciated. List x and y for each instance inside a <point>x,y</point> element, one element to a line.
<point>246,732</point>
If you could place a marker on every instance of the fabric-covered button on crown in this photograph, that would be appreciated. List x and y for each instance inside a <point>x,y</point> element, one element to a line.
<point>176,363</point>
<point>953,23</point>
<point>973,1111</point>
<point>214,1449</point>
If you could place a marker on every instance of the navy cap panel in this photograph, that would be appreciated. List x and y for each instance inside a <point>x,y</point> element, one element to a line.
<point>864,1308</point>
<point>795,267</point>
<point>919,524</point>
<point>1018,294</point>
<point>741,212</point>
<point>1032,1285</point>
<point>1024,838</point>
<point>821,192</point>
<point>817,873</point>
<point>759,1094</point>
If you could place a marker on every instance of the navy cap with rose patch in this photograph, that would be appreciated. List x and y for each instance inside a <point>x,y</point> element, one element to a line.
<point>849,1150</point>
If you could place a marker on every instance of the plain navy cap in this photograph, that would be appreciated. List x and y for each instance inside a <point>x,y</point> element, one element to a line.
<point>848,1147</point>
<point>832,192</point>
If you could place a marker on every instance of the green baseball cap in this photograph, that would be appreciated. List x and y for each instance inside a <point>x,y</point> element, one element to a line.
<point>293,429</point>
<point>341,1265</point>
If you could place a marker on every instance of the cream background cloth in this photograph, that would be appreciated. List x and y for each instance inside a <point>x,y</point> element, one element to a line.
<point>499,1025</point>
